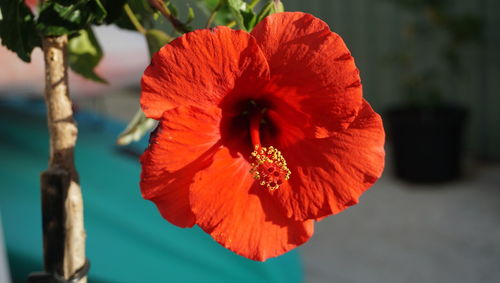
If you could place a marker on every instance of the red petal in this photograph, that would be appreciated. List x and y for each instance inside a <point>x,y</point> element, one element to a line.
<point>200,68</point>
<point>330,174</point>
<point>240,215</point>
<point>312,69</point>
<point>181,146</point>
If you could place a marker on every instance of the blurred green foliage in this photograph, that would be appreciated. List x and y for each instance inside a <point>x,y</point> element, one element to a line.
<point>436,23</point>
<point>17,28</point>
<point>21,30</point>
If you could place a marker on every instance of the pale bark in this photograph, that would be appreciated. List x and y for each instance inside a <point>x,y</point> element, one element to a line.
<point>64,234</point>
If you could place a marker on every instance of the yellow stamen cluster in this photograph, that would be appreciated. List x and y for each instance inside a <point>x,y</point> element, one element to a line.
<point>269,167</point>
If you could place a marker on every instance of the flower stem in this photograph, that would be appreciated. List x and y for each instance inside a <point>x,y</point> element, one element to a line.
<point>178,25</point>
<point>134,19</point>
<point>213,14</point>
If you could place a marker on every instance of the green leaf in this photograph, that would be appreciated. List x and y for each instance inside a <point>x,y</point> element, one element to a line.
<point>244,15</point>
<point>224,15</point>
<point>209,4</point>
<point>99,12</point>
<point>136,129</point>
<point>114,9</point>
<point>270,8</point>
<point>278,7</point>
<point>85,53</point>
<point>156,39</point>
<point>58,17</point>
<point>17,28</point>
<point>190,16</point>
<point>172,9</point>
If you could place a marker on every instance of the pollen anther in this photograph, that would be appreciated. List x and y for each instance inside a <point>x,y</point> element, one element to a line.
<point>269,167</point>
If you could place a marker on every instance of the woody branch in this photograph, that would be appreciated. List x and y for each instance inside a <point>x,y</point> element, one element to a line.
<point>62,205</point>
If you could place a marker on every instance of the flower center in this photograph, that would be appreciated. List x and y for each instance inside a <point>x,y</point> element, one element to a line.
<point>269,167</point>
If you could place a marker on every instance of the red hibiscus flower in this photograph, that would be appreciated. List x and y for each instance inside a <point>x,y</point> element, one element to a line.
<point>260,134</point>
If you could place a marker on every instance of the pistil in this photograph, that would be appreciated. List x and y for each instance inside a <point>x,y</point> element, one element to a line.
<point>269,167</point>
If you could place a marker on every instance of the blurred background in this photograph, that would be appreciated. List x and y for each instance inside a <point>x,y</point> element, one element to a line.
<point>430,67</point>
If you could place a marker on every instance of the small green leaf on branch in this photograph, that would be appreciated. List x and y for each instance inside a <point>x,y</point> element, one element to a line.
<point>243,13</point>
<point>58,17</point>
<point>270,8</point>
<point>172,9</point>
<point>136,129</point>
<point>218,12</point>
<point>190,16</point>
<point>278,7</point>
<point>156,39</point>
<point>85,53</point>
<point>114,9</point>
